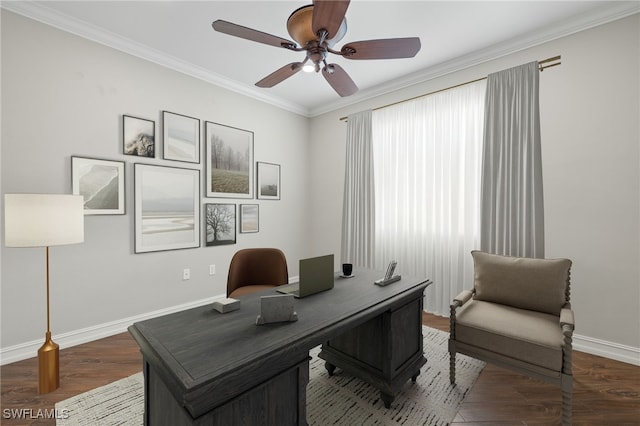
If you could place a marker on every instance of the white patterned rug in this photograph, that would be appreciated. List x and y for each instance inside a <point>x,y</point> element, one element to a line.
<point>429,401</point>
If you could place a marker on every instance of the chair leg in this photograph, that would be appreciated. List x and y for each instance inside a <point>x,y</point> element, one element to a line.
<point>452,368</point>
<point>567,395</point>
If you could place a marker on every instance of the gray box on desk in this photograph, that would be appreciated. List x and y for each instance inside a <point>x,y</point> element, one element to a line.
<point>226,305</point>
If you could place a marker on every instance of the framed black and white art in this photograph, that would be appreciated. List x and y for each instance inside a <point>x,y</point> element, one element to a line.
<point>167,208</point>
<point>101,183</point>
<point>268,183</point>
<point>220,221</point>
<point>138,136</point>
<point>249,218</point>
<point>180,137</point>
<point>229,158</point>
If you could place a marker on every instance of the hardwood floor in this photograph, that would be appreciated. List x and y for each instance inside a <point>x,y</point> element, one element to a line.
<point>606,392</point>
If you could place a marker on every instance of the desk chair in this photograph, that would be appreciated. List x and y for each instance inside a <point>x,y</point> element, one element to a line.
<point>256,269</point>
<point>517,316</point>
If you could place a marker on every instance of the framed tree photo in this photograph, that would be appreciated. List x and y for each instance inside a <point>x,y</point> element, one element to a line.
<point>229,153</point>
<point>138,136</point>
<point>101,183</point>
<point>167,208</point>
<point>249,218</point>
<point>220,221</point>
<point>180,137</point>
<point>268,183</point>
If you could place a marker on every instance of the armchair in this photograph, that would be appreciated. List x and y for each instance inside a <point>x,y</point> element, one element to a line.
<point>517,316</point>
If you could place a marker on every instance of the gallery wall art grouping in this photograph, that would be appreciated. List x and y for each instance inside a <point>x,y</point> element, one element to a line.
<point>167,199</point>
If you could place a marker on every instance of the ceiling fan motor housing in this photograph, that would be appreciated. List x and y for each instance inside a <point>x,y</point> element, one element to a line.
<point>300,27</point>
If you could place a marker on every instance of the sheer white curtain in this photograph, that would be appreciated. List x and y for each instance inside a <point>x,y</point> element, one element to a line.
<point>427,158</point>
<point>358,211</point>
<point>512,213</point>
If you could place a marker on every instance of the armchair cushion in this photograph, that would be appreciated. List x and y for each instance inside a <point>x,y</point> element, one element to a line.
<point>529,336</point>
<point>525,283</point>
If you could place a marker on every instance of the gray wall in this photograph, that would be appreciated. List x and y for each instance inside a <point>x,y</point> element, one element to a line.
<point>63,95</point>
<point>590,117</point>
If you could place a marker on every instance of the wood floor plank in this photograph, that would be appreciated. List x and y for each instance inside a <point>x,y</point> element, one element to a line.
<point>606,392</point>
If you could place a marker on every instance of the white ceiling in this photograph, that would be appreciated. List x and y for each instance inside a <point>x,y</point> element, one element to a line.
<point>454,35</point>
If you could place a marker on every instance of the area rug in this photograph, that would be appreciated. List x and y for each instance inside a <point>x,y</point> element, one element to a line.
<point>338,400</point>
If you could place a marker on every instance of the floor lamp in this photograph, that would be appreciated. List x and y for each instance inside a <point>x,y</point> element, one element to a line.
<point>43,220</point>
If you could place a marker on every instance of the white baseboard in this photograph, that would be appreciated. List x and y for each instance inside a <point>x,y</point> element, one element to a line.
<point>77,337</point>
<point>606,349</point>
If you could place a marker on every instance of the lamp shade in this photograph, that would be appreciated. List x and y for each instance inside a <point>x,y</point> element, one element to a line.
<point>39,220</point>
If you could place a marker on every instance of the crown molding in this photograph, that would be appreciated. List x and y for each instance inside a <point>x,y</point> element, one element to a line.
<point>552,32</point>
<point>606,14</point>
<point>82,29</point>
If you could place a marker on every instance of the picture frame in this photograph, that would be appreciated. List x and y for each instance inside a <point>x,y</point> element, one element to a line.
<point>138,136</point>
<point>180,137</point>
<point>167,208</point>
<point>101,183</point>
<point>220,224</point>
<point>229,161</point>
<point>249,218</point>
<point>268,182</point>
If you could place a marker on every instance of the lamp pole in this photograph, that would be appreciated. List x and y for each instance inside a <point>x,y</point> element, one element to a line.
<point>49,353</point>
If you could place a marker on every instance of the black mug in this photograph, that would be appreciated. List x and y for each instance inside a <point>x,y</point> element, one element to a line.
<point>347,269</point>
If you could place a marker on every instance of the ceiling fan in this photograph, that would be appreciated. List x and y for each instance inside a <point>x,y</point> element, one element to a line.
<point>316,28</point>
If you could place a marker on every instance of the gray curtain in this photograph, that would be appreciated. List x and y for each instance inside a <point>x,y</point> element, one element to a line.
<point>358,211</point>
<point>512,216</point>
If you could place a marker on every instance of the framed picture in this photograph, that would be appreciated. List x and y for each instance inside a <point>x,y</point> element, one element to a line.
<point>138,136</point>
<point>249,218</point>
<point>229,161</point>
<point>268,185</point>
<point>167,208</point>
<point>180,137</point>
<point>220,220</point>
<point>101,183</point>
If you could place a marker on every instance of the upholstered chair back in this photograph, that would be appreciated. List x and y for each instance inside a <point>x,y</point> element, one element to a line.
<point>534,284</point>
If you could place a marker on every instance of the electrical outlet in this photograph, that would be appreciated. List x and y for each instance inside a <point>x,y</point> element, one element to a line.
<point>212,269</point>
<point>186,274</point>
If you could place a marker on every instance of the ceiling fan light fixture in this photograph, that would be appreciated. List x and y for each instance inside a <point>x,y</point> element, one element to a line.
<point>309,67</point>
<point>300,27</point>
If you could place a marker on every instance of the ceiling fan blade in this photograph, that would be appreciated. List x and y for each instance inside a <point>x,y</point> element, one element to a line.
<point>390,48</point>
<point>280,75</point>
<point>328,15</point>
<point>250,34</point>
<point>339,80</point>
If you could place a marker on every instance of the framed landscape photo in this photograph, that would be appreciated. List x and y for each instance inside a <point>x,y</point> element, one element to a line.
<point>268,183</point>
<point>249,218</point>
<point>180,137</point>
<point>101,183</point>
<point>229,153</point>
<point>138,136</point>
<point>220,221</point>
<point>167,208</point>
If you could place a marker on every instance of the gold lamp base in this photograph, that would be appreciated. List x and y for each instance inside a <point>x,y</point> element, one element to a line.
<point>48,366</point>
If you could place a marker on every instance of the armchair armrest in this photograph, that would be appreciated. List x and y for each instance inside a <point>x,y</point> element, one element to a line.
<point>462,298</point>
<point>567,322</point>
<point>458,301</point>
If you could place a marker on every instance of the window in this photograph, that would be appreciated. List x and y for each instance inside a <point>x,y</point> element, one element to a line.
<point>427,160</point>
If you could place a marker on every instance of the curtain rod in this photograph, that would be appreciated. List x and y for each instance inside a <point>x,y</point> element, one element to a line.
<point>540,67</point>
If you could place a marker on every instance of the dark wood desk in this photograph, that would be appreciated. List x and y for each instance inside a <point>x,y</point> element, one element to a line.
<point>202,367</point>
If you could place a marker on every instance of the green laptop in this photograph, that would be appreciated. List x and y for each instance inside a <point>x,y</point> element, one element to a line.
<point>316,275</point>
